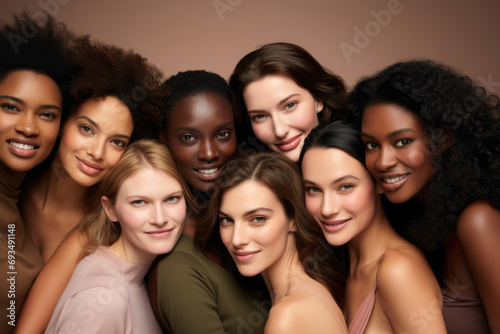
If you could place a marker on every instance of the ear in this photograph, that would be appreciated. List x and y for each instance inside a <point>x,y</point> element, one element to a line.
<point>108,208</point>
<point>447,139</point>
<point>318,105</point>
<point>293,227</point>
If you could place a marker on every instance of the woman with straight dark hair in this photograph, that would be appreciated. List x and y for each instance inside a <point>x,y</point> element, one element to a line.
<point>389,280</point>
<point>281,92</point>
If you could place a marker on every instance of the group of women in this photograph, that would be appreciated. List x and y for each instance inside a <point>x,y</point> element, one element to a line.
<point>277,202</point>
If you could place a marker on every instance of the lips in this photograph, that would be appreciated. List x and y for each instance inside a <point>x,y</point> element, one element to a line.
<point>22,149</point>
<point>245,256</point>
<point>160,234</point>
<point>289,144</point>
<point>335,225</point>
<point>88,168</point>
<point>208,174</point>
<point>393,182</point>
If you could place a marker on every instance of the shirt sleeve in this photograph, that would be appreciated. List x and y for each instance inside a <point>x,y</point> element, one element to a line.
<point>95,310</point>
<point>186,296</point>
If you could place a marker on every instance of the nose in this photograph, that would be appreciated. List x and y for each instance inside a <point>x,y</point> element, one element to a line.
<point>97,148</point>
<point>240,235</point>
<point>159,217</point>
<point>329,205</point>
<point>207,150</point>
<point>385,159</point>
<point>27,125</point>
<point>280,124</point>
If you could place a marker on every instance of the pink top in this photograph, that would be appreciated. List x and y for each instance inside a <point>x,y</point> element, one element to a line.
<point>105,295</point>
<point>464,314</point>
<point>360,320</point>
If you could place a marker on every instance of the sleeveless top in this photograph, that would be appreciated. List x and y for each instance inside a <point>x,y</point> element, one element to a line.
<point>360,320</point>
<point>464,314</point>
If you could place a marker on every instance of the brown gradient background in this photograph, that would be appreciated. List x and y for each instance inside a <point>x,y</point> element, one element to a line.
<point>179,35</point>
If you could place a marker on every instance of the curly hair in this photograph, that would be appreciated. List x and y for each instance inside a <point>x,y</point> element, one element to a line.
<point>108,70</point>
<point>282,176</point>
<point>447,103</point>
<point>42,47</point>
<point>296,63</point>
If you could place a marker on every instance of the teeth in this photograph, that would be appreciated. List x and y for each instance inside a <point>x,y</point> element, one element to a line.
<point>22,146</point>
<point>395,179</point>
<point>208,171</point>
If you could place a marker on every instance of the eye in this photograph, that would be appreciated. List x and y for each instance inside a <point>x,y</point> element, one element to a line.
<point>138,202</point>
<point>119,143</point>
<point>49,115</point>
<point>9,107</point>
<point>371,146</point>
<point>312,190</point>
<point>290,105</point>
<point>403,142</point>
<point>224,134</point>
<point>173,199</point>
<point>258,117</point>
<point>346,187</point>
<point>225,221</point>
<point>259,219</point>
<point>187,138</point>
<point>86,129</point>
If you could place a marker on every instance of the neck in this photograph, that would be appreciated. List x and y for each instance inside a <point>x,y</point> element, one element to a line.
<point>279,276</point>
<point>138,257</point>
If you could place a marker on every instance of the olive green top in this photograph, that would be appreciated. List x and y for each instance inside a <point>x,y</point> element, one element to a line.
<point>196,295</point>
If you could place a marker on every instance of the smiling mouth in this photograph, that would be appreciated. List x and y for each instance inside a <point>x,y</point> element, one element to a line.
<point>289,144</point>
<point>22,146</point>
<point>392,180</point>
<point>207,171</point>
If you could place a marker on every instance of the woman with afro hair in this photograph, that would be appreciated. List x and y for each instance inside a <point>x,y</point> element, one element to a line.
<point>432,141</point>
<point>115,100</point>
<point>35,72</point>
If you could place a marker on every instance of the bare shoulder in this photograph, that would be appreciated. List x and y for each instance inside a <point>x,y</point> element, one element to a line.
<point>478,221</point>
<point>303,313</point>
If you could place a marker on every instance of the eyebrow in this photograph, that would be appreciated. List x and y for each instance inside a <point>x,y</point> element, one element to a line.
<point>18,100</point>
<point>392,134</point>
<point>191,129</point>
<point>279,103</point>
<point>248,213</point>
<point>337,180</point>
<point>97,127</point>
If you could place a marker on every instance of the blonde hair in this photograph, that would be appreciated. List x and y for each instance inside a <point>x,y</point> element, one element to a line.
<point>96,226</point>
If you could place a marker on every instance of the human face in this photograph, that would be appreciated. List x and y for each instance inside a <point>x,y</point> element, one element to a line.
<point>253,227</point>
<point>94,139</point>
<point>340,193</point>
<point>397,151</point>
<point>281,113</point>
<point>30,115</point>
<point>150,208</point>
<point>200,134</point>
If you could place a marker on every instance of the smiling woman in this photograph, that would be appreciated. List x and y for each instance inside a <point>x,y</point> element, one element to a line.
<point>144,200</point>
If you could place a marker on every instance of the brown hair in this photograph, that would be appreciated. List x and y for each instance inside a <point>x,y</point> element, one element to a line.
<point>282,176</point>
<point>96,225</point>
<point>296,63</point>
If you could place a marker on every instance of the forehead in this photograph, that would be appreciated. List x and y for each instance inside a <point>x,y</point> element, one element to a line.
<point>26,83</point>
<point>148,180</point>
<point>384,117</point>
<point>272,87</point>
<point>196,110</point>
<point>247,196</point>
<point>326,164</point>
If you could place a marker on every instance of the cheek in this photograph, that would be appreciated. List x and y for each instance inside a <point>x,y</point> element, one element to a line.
<point>371,162</point>
<point>306,119</point>
<point>313,205</point>
<point>113,156</point>
<point>50,132</point>
<point>419,157</point>
<point>228,149</point>
<point>226,235</point>
<point>263,131</point>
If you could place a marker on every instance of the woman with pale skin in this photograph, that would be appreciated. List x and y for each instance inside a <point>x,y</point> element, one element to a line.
<point>257,212</point>
<point>191,290</point>
<point>33,101</point>
<point>101,124</point>
<point>432,141</point>
<point>390,287</point>
<point>281,93</point>
<point>142,215</point>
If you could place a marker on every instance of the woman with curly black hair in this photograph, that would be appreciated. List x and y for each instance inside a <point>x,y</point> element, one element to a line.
<point>281,92</point>
<point>432,141</point>
<point>35,71</point>
<point>115,100</point>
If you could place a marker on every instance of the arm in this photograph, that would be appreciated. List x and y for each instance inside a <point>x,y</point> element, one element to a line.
<point>186,297</point>
<point>90,312</point>
<point>409,294</point>
<point>478,232</point>
<point>49,286</point>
